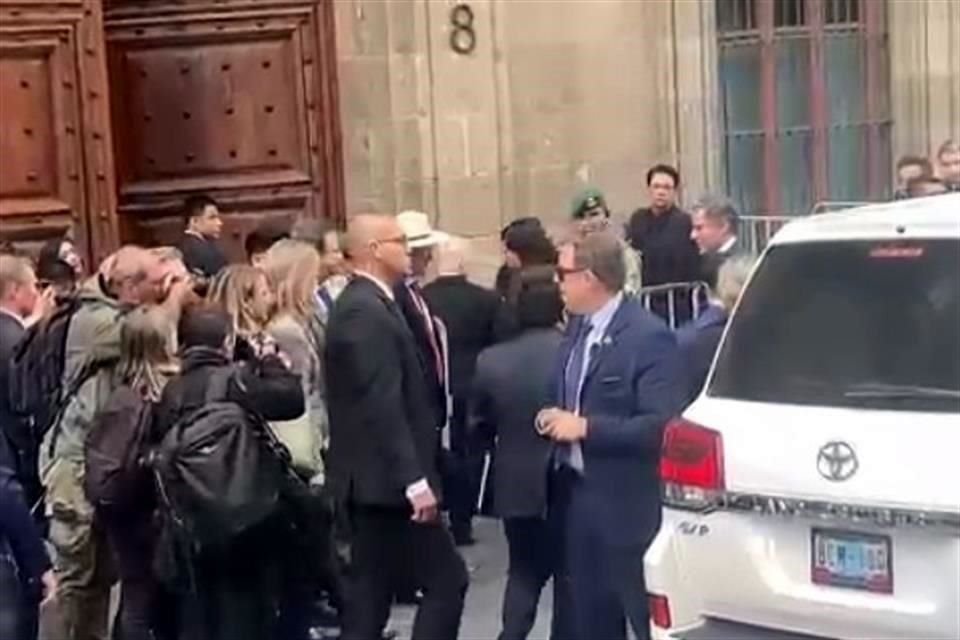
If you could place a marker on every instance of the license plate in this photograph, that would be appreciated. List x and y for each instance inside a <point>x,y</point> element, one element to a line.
<point>852,560</point>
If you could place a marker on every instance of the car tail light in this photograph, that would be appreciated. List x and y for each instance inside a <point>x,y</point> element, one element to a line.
<point>691,465</point>
<point>659,610</point>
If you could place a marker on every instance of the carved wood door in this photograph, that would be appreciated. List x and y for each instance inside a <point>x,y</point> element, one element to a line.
<point>234,98</point>
<point>56,167</point>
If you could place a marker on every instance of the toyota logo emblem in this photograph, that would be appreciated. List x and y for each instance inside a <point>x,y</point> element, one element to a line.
<point>837,461</point>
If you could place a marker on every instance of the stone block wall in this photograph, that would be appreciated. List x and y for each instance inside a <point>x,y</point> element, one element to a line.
<point>557,94</point>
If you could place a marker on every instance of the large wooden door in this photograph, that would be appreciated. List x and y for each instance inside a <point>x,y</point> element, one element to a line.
<point>235,98</point>
<point>56,167</point>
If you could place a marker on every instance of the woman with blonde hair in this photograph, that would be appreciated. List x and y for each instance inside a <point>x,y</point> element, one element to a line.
<point>293,269</point>
<point>244,293</point>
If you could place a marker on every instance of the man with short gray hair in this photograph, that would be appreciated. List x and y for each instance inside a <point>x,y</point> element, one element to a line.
<point>617,384</point>
<point>715,223</point>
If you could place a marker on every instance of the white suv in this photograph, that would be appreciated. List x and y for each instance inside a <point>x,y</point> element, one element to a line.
<point>813,489</point>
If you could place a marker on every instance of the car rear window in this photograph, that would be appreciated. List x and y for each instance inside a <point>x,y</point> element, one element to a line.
<point>849,324</point>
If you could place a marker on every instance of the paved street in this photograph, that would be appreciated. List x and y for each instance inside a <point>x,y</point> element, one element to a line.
<point>487,563</point>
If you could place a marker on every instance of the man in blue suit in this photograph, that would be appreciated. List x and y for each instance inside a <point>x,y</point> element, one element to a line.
<point>617,384</point>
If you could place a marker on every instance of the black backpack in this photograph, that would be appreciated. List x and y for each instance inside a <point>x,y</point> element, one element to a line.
<point>115,448</point>
<point>218,469</point>
<point>36,370</point>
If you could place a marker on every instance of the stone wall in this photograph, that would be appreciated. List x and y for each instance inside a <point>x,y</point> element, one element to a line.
<point>925,74</point>
<point>556,95</point>
<point>562,93</point>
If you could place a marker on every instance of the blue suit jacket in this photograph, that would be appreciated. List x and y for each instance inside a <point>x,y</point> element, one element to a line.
<point>633,386</point>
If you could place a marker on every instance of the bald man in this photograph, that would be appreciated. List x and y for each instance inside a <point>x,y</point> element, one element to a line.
<point>384,445</point>
<point>469,312</point>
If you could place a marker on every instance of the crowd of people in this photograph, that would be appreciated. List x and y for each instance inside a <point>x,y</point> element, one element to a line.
<point>300,441</point>
<point>917,176</point>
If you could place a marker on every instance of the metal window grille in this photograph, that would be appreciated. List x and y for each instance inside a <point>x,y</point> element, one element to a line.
<point>805,102</point>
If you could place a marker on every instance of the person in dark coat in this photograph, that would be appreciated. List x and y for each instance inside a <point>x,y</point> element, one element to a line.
<point>698,340</point>
<point>616,384</point>
<point>201,252</point>
<point>26,574</point>
<point>504,405</point>
<point>20,304</point>
<point>524,242</point>
<point>384,441</point>
<point>428,331</point>
<point>469,312</point>
<point>234,595</point>
<point>715,224</point>
<point>661,233</point>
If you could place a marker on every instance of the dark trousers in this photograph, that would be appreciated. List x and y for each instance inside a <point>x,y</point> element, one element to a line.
<point>309,562</point>
<point>532,547</point>
<point>606,582</point>
<point>381,539</point>
<point>18,609</point>
<point>464,476</point>
<point>234,590</point>
<point>146,609</point>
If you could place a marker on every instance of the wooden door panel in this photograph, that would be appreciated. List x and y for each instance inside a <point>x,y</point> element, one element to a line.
<point>224,97</point>
<point>56,169</point>
<point>40,175</point>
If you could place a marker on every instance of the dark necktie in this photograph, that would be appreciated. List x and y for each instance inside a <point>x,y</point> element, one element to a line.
<point>574,370</point>
<point>571,454</point>
<point>424,310</point>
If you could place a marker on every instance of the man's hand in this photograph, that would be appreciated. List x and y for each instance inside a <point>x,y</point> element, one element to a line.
<point>562,426</point>
<point>46,303</point>
<point>50,587</point>
<point>425,508</point>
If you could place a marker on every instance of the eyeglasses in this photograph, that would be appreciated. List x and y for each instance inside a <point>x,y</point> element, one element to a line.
<point>401,240</point>
<point>562,273</point>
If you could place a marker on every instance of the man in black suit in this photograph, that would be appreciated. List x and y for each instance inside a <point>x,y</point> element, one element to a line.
<point>429,333</point>
<point>199,247</point>
<point>617,383</point>
<point>469,312</point>
<point>715,222</point>
<point>20,305</point>
<point>383,446</point>
<point>504,404</point>
<point>661,234</point>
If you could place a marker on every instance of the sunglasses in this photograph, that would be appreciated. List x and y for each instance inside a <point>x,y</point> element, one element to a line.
<point>401,240</point>
<point>562,273</point>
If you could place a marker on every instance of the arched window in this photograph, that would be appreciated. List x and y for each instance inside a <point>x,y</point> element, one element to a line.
<point>805,102</point>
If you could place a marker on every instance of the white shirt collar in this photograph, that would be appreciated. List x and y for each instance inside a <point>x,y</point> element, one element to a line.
<point>726,246</point>
<point>14,316</point>
<point>377,281</point>
<point>599,320</point>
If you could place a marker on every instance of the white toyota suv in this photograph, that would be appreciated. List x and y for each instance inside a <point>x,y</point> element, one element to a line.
<point>813,489</point>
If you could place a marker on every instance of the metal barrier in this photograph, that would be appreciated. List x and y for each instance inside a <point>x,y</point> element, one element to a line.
<point>830,206</point>
<point>756,231</point>
<point>676,298</point>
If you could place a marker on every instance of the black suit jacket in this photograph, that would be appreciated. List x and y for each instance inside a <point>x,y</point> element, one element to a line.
<point>421,337</point>
<point>711,262</point>
<point>469,313</point>
<point>383,434</point>
<point>506,404</point>
<point>202,256</point>
<point>13,428</point>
